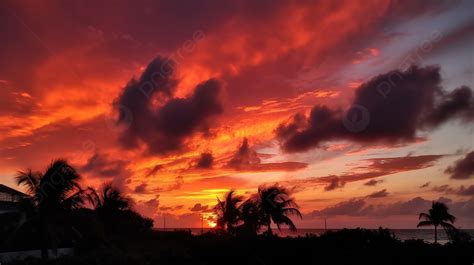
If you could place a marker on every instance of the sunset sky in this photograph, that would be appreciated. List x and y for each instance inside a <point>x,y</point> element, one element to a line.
<point>364,109</point>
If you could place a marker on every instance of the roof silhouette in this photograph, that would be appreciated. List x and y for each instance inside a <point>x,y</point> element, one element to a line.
<point>8,190</point>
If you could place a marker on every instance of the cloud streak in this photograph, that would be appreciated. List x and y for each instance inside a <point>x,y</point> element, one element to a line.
<point>414,206</point>
<point>463,168</point>
<point>247,159</point>
<point>375,167</point>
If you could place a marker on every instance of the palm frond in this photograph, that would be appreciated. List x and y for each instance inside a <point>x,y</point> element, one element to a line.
<point>450,218</point>
<point>424,223</point>
<point>424,216</point>
<point>288,203</point>
<point>29,179</point>
<point>93,197</point>
<point>293,211</point>
<point>276,204</point>
<point>288,222</point>
<point>59,181</point>
<point>74,201</point>
<point>446,225</point>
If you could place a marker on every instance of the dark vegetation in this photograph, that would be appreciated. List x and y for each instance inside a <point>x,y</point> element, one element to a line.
<point>104,229</point>
<point>60,213</point>
<point>348,246</point>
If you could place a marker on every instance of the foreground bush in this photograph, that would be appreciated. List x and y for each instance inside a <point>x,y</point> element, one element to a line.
<point>348,246</point>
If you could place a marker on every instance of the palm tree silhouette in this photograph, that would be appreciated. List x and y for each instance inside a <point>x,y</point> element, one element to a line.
<point>276,204</point>
<point>250,216</point>
<point>114,211</point>
<point>228,211</point>
<point>112,208</point>
<point>54,193</point>
<point>437,215</point>
<point>108,199</point>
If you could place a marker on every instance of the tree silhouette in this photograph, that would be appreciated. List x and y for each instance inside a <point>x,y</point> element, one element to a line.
<point>250,216</point>
<point>108,199</point>
<point>228,211</point>
<point>438,215</point>
<point>275,204</point>
<point>108,203</point>
<point>54,194</point>
<point>114,211</point>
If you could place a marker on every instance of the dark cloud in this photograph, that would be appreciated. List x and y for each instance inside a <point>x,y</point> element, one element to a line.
<point>373,182</point>
<point>461,191</point>
<point>101,165</point>
<point>403,163</point>
<point>278,166</point>
<point>378,194</point>
<point>153,117</point>
<point>391,107</point>
<point>127,18</point>
<point>244,157</point>
<point>142,188</point>
<point>178,183</point>
<point>376,167</point>
<point>443,189</point>
<point>247,159</point>
<point>152,203</point>
<point>171,208</point>
<point>200,208</point>
<point>145,189</point>
<point>425,185</point>
<point>458,102</point>
<point>353,207</point>
<point>410,207</point>
<point>360,207</point>
<point>206,160</point>
<point>148,207</point>
<point>221,182</point>
<point>469,191</point>
<point>464,209</point>
<point>152,171</point>
<point>334,183</point>
<point>463,168</point>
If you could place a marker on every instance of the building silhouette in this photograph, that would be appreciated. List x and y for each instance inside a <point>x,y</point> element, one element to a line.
<point>10,199</point>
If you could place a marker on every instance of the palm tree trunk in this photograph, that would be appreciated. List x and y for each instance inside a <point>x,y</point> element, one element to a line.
<point>436,234</point>
<point>269,228</point>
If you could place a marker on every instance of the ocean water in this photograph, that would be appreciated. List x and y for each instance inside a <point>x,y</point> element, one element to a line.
<point>402,234</point>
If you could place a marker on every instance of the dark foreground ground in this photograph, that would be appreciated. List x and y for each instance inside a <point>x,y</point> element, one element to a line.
<point>355,246</point>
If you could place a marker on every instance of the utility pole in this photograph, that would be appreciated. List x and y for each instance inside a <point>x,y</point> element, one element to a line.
<point>164,222</point>
<point>325,225</point>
